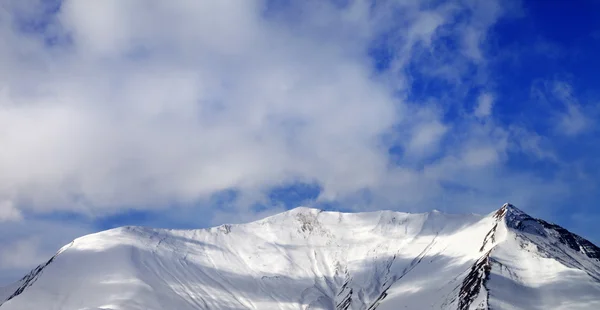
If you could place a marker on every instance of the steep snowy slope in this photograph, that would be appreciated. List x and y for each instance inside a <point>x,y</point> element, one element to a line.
<point>310,259</point>
<point>539,265</point>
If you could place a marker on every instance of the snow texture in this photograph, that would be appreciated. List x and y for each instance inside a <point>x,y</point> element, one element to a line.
<point>311,259</point>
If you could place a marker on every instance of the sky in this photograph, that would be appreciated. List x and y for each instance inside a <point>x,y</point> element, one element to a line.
<point>190,114</point>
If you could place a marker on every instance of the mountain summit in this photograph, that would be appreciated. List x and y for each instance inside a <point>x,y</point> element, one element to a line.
<point>311,259</point>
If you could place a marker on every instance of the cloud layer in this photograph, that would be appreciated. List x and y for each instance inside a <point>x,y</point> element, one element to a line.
<point>145,104</point>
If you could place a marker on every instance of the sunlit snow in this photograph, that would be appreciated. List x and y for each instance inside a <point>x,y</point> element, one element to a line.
<point>311,259</point>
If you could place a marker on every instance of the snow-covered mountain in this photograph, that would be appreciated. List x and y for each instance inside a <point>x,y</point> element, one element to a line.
<point>311,259</point>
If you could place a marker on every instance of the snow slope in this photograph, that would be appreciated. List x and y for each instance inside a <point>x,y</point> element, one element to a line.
<point>311,259</point>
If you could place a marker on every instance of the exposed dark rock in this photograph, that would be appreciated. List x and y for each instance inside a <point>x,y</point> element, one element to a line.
<point>520,221</point>
<point>29,279</point>
<point>490,237</point>
<point>474,282</point>
<point>346,302</point>
<point>572,240</point>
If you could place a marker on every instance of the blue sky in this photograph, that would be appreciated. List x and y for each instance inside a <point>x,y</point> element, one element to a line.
<point>193,114</point>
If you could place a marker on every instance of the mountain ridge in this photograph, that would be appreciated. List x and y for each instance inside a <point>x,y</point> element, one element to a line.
<point>308,258</point>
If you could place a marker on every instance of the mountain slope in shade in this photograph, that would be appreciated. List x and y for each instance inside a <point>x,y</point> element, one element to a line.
<point>311,259</point>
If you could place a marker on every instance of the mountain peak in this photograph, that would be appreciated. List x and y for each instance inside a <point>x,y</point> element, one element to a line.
<point>522,222</point>
<point>508,209</point>
<point>517,219</point>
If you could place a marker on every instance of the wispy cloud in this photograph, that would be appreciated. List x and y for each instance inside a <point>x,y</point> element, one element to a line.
<point>569,116</point>
<point>573,120</point>
<point>8,211</point>
<point>145,104</point>
<point>27,243</point>
<point>485,102</point>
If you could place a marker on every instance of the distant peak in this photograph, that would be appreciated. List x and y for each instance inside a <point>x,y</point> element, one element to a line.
<point>519,220</point>
<point>509,209</point>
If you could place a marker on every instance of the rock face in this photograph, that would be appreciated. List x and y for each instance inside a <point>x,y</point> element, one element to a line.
<point>311,259</point>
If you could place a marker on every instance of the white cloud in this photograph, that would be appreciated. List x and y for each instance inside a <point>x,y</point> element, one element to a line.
<point>573,120</point>
<point>426,137</point>
<point>481,156</point>
<point>484,14</point>
<point>154,103</point>
<point>196,111</point>
<point>8,212</point>
<point>28,243</point>
<point>21,254</point>
<point>485,102</point>
<point>533,144</point>
<point>146,104</point>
